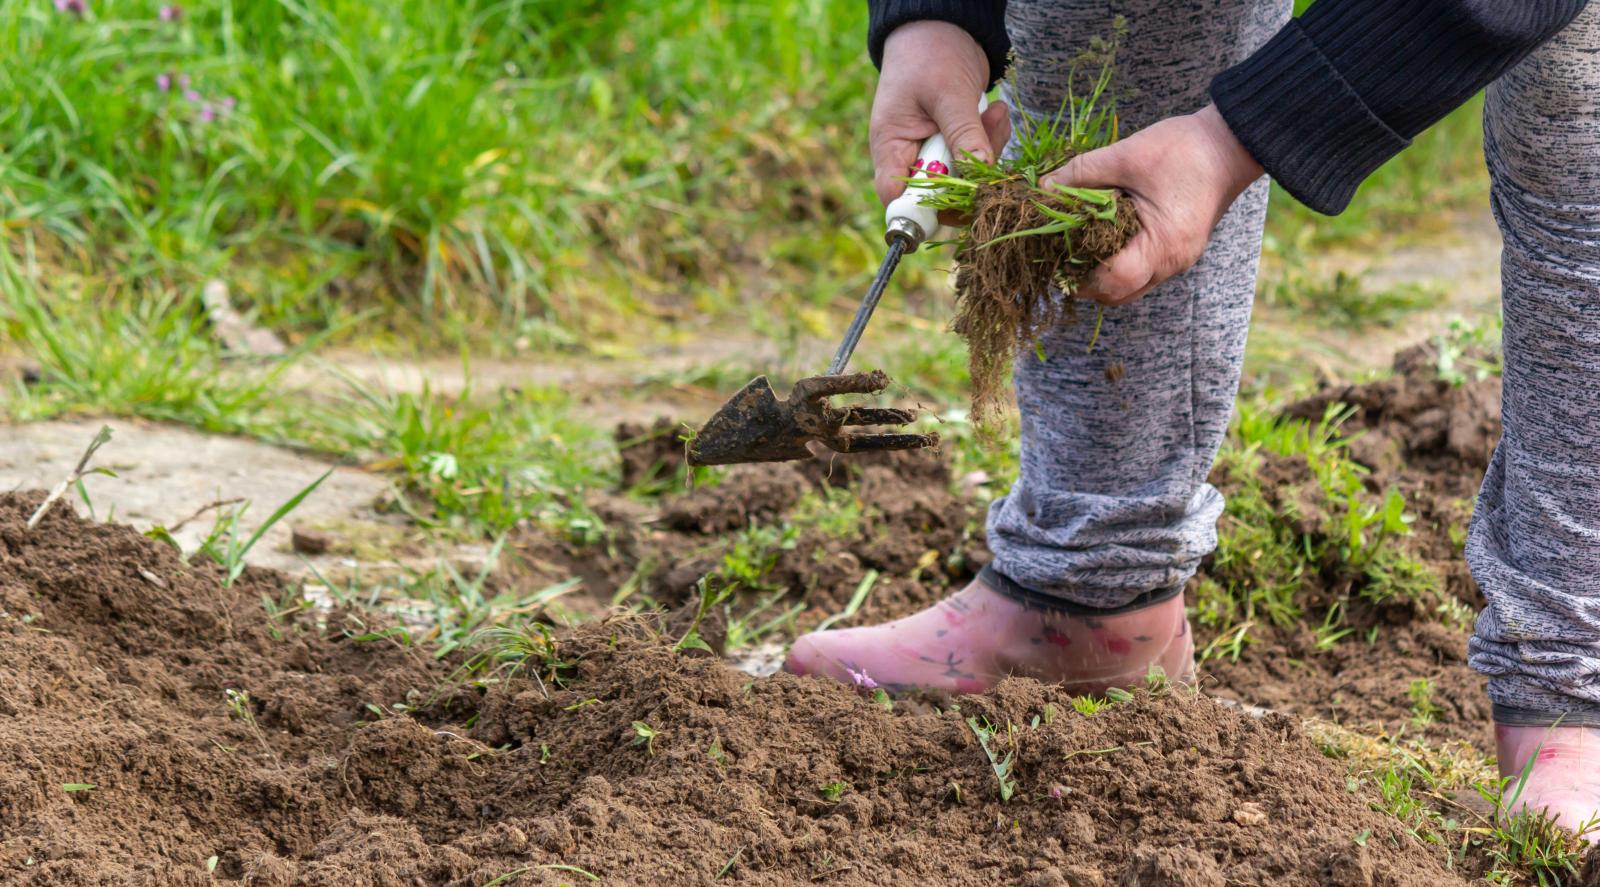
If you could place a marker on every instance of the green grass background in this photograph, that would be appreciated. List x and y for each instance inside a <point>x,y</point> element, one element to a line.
<point>515,172</point>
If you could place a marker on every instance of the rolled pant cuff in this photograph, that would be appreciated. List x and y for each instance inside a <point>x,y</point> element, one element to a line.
<point>1527,717</point>
<point>1028,597</point>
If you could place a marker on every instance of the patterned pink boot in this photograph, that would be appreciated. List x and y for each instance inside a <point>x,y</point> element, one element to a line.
<point>969,641</point>
<point>1565,781</point>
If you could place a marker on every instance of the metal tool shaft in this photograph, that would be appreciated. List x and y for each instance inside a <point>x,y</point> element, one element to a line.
<point>869,304</point>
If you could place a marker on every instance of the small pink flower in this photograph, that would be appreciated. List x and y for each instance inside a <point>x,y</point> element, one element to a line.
<point>183,80</point>
<point>937,168</point>
<point>191,95</point>
<point>228,102</point>
<point>1058,791</point>
<point>862,679</point>
<point>75,7</point>
<point>164,81</point>
<point>207,113</point>
<point>171,12</point>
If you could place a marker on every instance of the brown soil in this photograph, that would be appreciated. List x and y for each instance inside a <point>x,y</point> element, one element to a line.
<point>1426,437</point>
<point>649,452</point>
<point>118,658</point>
<point>1431,440</point>
<point>1004,287</point>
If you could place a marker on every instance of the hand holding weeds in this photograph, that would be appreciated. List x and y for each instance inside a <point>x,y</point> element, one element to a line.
<point>933,74</point>
<point>1182,175</point>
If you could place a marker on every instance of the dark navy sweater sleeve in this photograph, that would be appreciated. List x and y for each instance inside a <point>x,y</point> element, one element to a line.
<point>1339,90</point>
<point>1346,86</point>
<point>985,20</point>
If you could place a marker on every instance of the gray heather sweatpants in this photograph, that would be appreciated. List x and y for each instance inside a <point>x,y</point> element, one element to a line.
<point>1112,506</point>
<point>1534,544</point>
<point>1112,502</point>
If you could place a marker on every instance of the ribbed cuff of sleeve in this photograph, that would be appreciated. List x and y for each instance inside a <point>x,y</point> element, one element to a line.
<point>985,21</point>
<point>1303,122</point>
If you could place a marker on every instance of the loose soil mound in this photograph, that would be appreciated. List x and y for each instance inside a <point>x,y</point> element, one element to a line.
<point>119,656</point>
<point>1430,439</point>
<point>914,532</point>
<point>1427,437</point>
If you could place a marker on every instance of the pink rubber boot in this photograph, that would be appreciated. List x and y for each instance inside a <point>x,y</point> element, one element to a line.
<point>969,641</point>
<point>1565,780</point>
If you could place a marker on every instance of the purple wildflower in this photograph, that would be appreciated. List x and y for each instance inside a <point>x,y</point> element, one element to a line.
<point>75,7</point>
<point>1058,791</point>
<point>171,12</point>
<point>228,102</point>
<point>862,679</point>
<point>164,81</point>
<point>207,113</point>
<point>183,80</point>
<point>191,95</point>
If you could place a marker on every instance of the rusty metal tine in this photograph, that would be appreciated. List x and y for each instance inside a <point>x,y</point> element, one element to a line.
<point>866,443</point>
<point>878,416</point>
<point>814,388</point>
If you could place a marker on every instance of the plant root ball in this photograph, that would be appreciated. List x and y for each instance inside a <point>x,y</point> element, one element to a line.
<point>1010,291</point>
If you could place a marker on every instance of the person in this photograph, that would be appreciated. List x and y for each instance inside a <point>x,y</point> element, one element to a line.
<point>1111,513</point>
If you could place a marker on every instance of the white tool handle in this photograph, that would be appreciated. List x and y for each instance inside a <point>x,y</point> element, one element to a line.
<point>905,217</point>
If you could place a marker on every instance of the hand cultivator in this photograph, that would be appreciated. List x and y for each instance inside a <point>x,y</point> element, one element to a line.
<point>755,426</point>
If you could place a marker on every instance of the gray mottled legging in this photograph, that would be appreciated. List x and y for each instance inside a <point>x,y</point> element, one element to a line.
<point>1112,505</point>
<point>1534,544</point>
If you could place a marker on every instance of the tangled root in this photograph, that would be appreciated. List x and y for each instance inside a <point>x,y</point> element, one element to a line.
<point>1006,290</point>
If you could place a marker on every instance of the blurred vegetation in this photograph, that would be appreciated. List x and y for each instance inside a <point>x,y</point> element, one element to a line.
<point>508,172</point>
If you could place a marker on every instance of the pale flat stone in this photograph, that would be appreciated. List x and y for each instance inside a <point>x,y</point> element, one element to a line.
<point>165,473</point>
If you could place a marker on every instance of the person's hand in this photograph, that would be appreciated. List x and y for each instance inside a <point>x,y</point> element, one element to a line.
<point>933,75</point>
<point>1182,173</point>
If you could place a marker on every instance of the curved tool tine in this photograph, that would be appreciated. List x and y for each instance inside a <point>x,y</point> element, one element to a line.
<point>877,416</point>
<point>816,388</point>
<point>866,443</point>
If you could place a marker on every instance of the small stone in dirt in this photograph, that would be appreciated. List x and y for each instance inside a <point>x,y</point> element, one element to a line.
<point>1249,814</point>
<point>306,541</point>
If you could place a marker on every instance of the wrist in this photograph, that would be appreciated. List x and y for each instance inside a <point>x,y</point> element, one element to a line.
<point>929,38</point>
<point>1238,166</point>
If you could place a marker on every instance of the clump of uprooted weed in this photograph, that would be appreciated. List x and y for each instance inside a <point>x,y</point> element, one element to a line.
<point>1027,245</point>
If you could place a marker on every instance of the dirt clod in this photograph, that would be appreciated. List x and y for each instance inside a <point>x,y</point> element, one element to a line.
<point>308,541</point>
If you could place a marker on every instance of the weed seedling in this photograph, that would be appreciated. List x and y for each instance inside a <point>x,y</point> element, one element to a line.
<point>863,589</point>
<point>728,866</point>
<point>645,735</point>
<point>1088,705</point>
<point>709,598</point>
<point>1003,775</point>
<point>225,543</point>
<point>881,697</point>
<point>79,472</point>
<point>239,704</point>
<point>1423,708</point>
<point>509,649</point>
<point>833,791</point>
